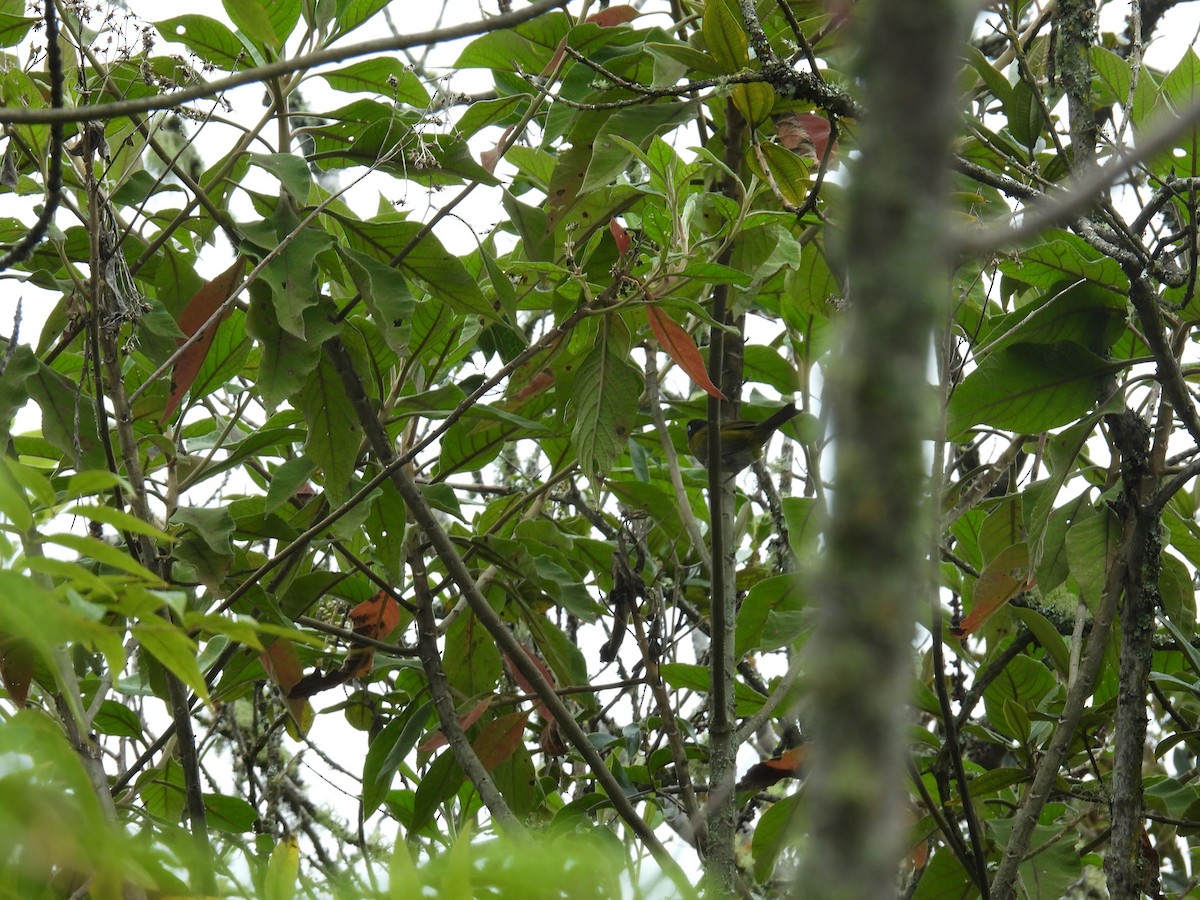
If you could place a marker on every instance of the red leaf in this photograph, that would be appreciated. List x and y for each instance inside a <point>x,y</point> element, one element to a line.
<point>376,618</point>
<point>679,345</point>
<point>805,134</point>
<point>787,764</point>
<point>196,312</point>
<point>556,58</point>
<point>524,683</point>
<point>613,16</point>
<point>620,235</point>
<point>537,384</point>
<point>1002,579</point>
<point>282,664</point>
<point>465,721</point>
<point>489,158</point>
<point>500,739</point>
<point>551,741</point>
<point>357,662</point>
<point>16,668</point>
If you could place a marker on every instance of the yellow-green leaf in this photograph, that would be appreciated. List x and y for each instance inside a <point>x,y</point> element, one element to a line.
<point>724,35</point>
<point>754,101</point>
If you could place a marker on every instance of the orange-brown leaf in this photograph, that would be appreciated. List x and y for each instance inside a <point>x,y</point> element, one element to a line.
<point>805,134</point>
<point>620,235</point>
<point>282,663</point>
<point>198,310</point>
<point>465,721</point>
<point>551,740</point>
<point>16,668</point>
<point>500,738</point>
<point>538,383</point>
<point>1004,578</point>
<point>284,668</point>
<point>613,16</point>
<point>358,662</point>
<point>376,618</point>
<point>489,158</point>
<point>524,682</point>
<point>679,345</point>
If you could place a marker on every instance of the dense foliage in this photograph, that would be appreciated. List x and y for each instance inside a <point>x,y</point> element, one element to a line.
<point>403,497</point>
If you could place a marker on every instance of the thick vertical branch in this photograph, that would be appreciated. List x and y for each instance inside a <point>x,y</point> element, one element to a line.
<point>1075,23</point>
<point>725,370</point>
<point>879,531</point>
<point>1125,865</point>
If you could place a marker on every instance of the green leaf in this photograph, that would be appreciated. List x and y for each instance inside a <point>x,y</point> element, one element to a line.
<point>471,660</point>
<point>388,751</point>
<point>764,365</point>
<point>292,273</point>
<point>286,360</point>
<point>441,780</point>
<point>1047,635</point>
<point>352,13</point>
<point>171,647</point>
<point>636,125</point>
<point>715,273</point>
<point>214,526</point>
<point>685,676</point>
<point>225,356</point>
<point>118,720</point>
<point>1028,388</point>
<point>1025,119</point>
<point>334,432</point>
<point>754,101</point>
<point>1092,544</point>
<point>64,408</point>
<point>607,388</point>
<point>774,831</point>
<point>482,113</point>
<point>14,505</point>
<point>14,26</point>
<point>529,46</point>
<point>283,868</point>
<point>118,519</point>
<point>1178,596</point>
<point>291,170</point>
<point>1113,77</point>
<point>207,38</point>
<point>104,553</point>
<point>992,77</point>
<point>1022,685</point>
<point>771,615</point>
<point>944,878</point>
<point>789,172</point>
<point>286,480</point>
<point>381,75</point>
<point>264,23</point>
<point>232,815</point>
<point>1065,255</point>
<point>724,35</point>
<point>1082,312</point>
<point>386,294</point>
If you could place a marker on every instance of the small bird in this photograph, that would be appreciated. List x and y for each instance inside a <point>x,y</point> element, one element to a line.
<point>742,441</point>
